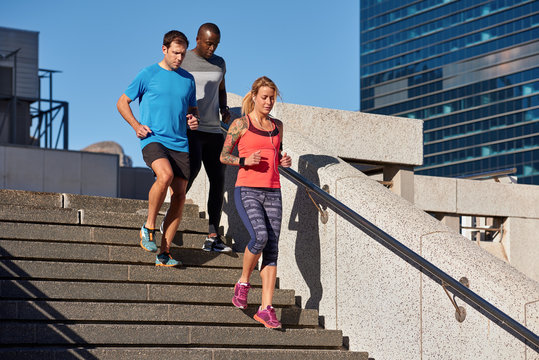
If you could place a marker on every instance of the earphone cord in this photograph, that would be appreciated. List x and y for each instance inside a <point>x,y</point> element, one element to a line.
<point>275,162</point>
<point>276,165</point>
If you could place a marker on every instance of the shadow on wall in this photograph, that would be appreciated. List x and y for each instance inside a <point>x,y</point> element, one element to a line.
<point>304,220</point>
<point>238,233</point>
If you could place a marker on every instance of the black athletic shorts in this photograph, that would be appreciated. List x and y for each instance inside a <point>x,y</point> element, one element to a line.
<point>179,161</point>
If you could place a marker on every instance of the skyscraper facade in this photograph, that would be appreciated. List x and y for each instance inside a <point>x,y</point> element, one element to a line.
<point>468,68</point>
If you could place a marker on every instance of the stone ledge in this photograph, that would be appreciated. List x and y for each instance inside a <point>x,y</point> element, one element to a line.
<point>353,135</point>
<point>126,353</point>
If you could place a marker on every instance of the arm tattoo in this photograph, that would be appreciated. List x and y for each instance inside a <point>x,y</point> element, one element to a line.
<point>234,134</point>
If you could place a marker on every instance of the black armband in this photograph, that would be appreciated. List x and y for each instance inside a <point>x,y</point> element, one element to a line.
<point>242,161</point>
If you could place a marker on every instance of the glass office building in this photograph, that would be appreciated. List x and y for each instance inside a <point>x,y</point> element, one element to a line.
<point>468,68</point>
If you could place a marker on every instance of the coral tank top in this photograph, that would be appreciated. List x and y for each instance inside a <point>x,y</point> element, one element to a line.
<point>266,173</point>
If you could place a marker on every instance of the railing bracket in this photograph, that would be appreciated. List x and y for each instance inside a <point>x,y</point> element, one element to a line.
<point>460,312</point>
<point>324,216</point>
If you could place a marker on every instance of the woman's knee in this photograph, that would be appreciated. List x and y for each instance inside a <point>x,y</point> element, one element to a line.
<point>269,259</point>
<point>257,245</point>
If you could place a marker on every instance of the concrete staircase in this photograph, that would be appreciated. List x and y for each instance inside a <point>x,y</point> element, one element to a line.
<point>74,283</point>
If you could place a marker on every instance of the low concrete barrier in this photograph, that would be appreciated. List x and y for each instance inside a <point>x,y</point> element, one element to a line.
<point>352,134</point>
<point>516,204</point>
<point>37,169</point>
<point>475,197</point>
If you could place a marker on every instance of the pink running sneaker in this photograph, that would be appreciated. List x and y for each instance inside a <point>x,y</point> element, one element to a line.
<point>268,318</point>
<point>241,290</point>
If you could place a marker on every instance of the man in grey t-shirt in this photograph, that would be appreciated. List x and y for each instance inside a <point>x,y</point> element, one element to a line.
<point>206,143</point>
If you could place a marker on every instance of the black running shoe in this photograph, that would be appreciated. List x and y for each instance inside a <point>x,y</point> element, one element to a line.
<point>215,243</point>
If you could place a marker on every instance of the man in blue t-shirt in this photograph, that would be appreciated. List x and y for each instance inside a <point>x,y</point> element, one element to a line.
<point>167,104</point>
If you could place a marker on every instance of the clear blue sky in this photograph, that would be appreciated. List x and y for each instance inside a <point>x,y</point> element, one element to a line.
<point>310,48</point>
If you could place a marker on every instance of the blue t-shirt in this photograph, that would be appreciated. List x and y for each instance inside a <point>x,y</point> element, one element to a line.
<point>164,98</point>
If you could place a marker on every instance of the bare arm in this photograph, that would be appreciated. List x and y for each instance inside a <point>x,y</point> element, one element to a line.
<point>235,131</point>
<point>125,110</point>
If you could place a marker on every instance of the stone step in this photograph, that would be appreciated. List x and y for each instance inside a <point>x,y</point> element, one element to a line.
<point>74,283</point>
<point>41,250</point>
<point>26,214</point>
<point>53,270</point>
<point>118,205</point>
<point>31,198</point>
<point>129,353</point>
<point>124,220</point>
<point>17,333</point>
<point>39,215</point>
<point>91,234</point>
<point>107,312</point>
<point>76,202</point>
<point>133,292</point>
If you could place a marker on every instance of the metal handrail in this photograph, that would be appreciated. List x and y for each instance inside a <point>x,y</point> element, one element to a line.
<point>423,265</point>
<point>489,174</point>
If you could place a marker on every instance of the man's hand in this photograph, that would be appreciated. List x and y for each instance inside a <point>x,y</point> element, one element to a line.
<point>286,160</point>
<point>192,121</point>
<point>143,131</point>
<point>225,115</point>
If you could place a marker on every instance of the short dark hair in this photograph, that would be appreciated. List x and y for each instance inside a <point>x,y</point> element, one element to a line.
<point>175,36</point>
<point>209,26</point>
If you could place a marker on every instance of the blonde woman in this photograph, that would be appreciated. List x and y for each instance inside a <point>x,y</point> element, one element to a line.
<point>258,191</point>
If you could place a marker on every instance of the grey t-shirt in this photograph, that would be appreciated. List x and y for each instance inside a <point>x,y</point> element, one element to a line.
<point>208,75</point>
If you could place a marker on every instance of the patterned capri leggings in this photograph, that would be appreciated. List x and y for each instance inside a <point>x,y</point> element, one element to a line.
<point>260,210</point>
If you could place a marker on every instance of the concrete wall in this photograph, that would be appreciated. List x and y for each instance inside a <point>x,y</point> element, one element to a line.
<point>36,169</point>
<point>384,305</point>
<point>521,245</point>
<point>474,197</point>
<point>351,134</point>
<point>73,172</point>
<point>135,182</point>
<point>515,202</point>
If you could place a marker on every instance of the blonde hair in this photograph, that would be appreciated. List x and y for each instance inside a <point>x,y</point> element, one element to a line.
<point>248,103</point>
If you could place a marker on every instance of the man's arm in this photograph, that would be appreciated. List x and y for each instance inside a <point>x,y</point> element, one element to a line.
<point>125,110</point>
<point>225,113</point>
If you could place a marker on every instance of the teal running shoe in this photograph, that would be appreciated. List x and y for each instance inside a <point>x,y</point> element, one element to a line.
<point>147,239</point>
<point>165,259</point>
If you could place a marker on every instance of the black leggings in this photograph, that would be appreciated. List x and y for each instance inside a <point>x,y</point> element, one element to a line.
<point>206,148</point>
